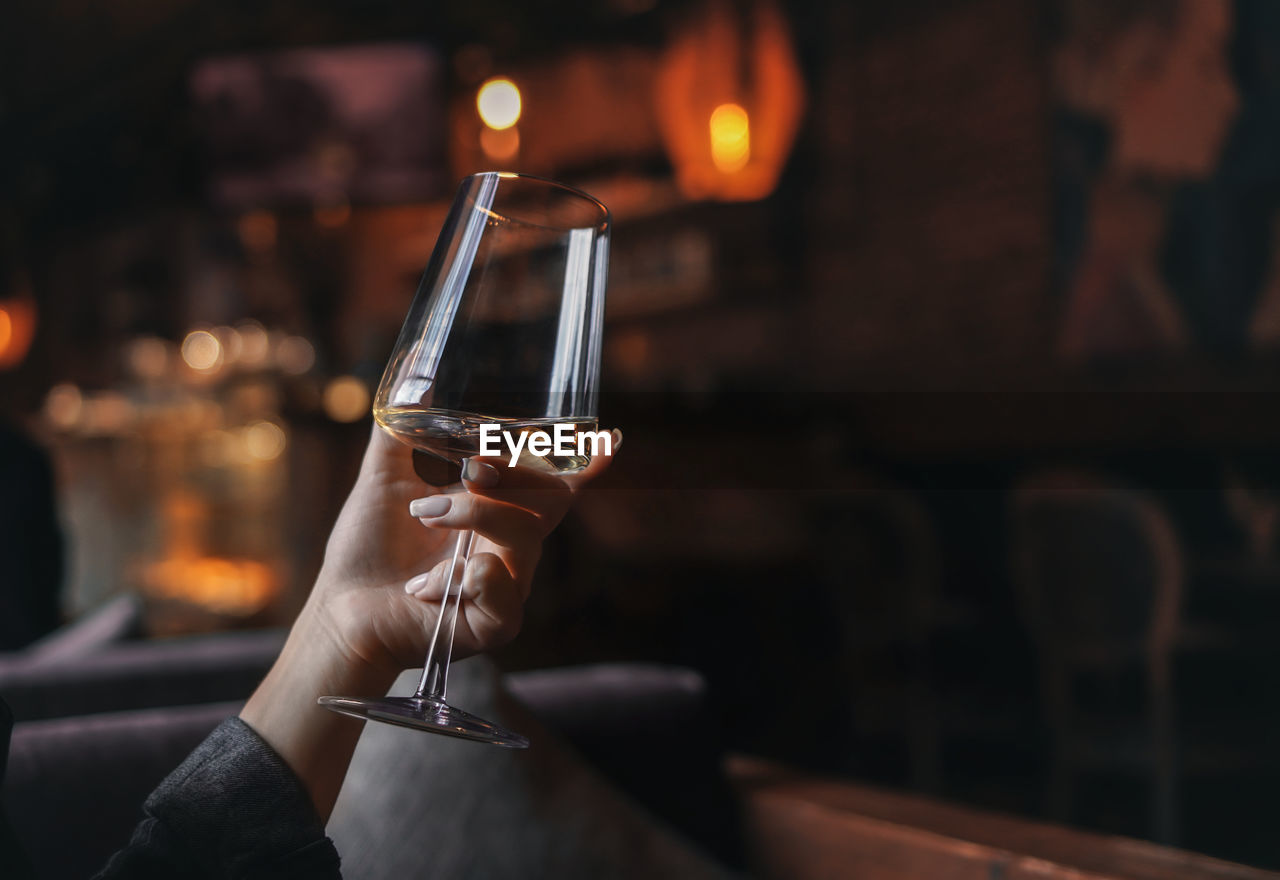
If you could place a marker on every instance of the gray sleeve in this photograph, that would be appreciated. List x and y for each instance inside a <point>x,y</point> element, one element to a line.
<point>233,809</point>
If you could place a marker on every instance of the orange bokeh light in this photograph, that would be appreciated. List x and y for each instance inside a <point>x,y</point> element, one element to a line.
<point>237,587</point>
<point>729,96</point>
<point>6,331</point>
<point>498,103</point>
<point>730,138</point>
<point>17,329</point>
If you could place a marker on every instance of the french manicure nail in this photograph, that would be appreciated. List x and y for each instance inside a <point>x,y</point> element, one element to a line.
<point>617,440</point>
<point>433,506</point>
<point>485,476</point>
<point>416,584</point>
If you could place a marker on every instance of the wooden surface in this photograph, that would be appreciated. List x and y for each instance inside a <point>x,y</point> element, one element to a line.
<point>805,828</point>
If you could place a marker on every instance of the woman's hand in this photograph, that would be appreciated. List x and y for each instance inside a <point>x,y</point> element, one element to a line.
<point>384,574</point>
<point>376,600</point>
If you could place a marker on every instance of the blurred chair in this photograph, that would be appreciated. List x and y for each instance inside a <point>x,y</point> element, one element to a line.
<point>881,568</point>
<point>1099,575</point>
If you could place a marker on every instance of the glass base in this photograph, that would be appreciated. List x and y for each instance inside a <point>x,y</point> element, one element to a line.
<point>424,714</point>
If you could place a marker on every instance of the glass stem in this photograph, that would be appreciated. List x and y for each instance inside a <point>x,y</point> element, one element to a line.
<point>435,672</point>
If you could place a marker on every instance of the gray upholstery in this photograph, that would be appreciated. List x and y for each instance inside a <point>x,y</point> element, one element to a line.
<point>417,806</point>
<point>91,773</point>
<point>141,675</point>
<point>75,786</point>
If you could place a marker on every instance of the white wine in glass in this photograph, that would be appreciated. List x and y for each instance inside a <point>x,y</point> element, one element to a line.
<point>505,331</point>
<point>455,436</point>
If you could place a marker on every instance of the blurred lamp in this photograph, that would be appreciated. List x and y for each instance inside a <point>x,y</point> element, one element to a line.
<point>498,103</point>
<point>729,98</point>
<point>17,327</point>
<point>346,399</point>
<point>730,138</point>
<point>64,406</point>
<point>264,440</point>
<point>202,351</point>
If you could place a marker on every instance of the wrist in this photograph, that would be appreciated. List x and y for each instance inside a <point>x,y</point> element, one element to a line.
<point>316,744</point>
<point>321,657</point>
<point>339,621</point>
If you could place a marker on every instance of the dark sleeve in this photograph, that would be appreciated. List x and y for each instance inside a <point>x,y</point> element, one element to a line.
<point>233,809</point>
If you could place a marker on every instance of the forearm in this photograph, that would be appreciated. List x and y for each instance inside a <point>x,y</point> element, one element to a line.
<point>316,744</point>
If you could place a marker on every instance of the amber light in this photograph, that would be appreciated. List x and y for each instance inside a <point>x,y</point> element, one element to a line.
<point>264,441</point>
<point>202,351</point>
<point>730,138</point>
<point>232,586</point>
<point>729,96</point>
<point>17,328</point>
<point>346,399</point>
<point>502,145</point>
<point>498,103</point>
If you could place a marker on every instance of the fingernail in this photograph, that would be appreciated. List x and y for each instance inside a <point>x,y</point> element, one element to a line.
<point>617,440</point>
<point>485,476</point>
<point>433,506</point>
<point>416,584</point>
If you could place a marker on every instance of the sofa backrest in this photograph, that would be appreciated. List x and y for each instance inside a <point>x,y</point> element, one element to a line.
<point>142,675</point>
<point>75,786</point>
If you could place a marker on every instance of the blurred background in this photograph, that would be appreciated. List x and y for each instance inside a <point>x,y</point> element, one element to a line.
<point>945,336</point>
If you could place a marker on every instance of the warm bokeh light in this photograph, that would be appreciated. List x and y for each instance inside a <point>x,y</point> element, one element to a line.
<point>63,406</point>
<point>346,399</point>
<point>264,440</point>
<point>500,145</point>
<point>17,328</point>
<point>730,138</point>
<point>729,96</point>
<point>6,331</point>
<point>498,103</point>
<point>202,351</point>
<point>148,357</point>
<point>295,355</point>
<point>222,585</point>
<point>255,345</point>
<point>108,414</point>
<point>229,339</point>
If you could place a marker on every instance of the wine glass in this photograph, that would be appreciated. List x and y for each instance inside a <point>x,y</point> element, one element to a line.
<point>505,329</point>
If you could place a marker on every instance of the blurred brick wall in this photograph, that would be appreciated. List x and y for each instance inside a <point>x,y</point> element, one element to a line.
<point>930,243</point>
